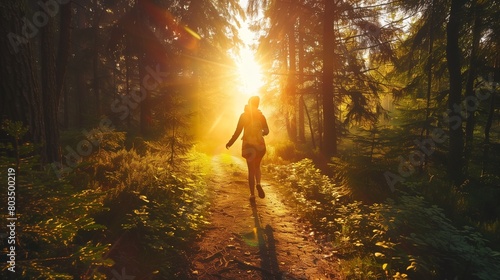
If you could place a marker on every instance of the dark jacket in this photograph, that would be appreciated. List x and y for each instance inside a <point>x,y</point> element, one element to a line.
<point>254,125</point>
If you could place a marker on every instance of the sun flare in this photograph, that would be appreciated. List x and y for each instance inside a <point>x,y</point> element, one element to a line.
<point>249,73</point>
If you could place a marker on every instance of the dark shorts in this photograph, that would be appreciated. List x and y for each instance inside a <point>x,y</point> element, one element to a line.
<point>250,152</point>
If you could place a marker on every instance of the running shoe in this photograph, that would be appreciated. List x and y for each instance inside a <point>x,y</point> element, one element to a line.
<point>261,191</point>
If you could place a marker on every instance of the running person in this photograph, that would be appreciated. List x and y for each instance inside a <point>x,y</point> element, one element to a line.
<point>253,148</point>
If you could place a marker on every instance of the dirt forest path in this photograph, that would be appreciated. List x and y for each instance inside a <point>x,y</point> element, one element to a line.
<point>264,242</point>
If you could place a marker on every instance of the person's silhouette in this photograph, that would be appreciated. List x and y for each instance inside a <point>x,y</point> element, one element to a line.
<point>254,126</point>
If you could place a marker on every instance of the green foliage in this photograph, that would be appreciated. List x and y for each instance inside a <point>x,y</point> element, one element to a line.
<point>15,129</point>
<point>358,267</point>
<point>362,175</point>
<point>417,238</point>
<point>317,195</point>
<point>404,237</point>
<point>284,151</point>
<point>176,115</point>
<point>54,218</point>
<point>152,206</point>
<point>117,209</point>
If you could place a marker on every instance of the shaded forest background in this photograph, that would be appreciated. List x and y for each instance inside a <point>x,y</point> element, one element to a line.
<point>385,113</point>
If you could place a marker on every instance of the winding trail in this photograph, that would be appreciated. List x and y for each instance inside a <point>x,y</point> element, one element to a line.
<point>267,241</point>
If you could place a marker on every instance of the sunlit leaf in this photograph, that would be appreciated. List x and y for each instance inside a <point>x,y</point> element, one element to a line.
<point>144,198</point>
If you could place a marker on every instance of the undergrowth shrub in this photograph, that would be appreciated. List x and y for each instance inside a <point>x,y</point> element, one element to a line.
<point>363,176</point>
<point>402,237</point>
<point>54,218</point>
<point>417,238</point>
<point>154,211</point>
<point>316,194</point>
<point>117,212</point>
<point>280,152</point>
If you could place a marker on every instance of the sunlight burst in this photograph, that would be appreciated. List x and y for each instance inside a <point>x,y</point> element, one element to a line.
<point>249,73</point>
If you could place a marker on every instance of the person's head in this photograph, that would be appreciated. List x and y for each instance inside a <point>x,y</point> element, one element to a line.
<point>254,101</point>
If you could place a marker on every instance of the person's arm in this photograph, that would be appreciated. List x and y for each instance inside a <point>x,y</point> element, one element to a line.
<point>237,132</point>
<point>265,128</point>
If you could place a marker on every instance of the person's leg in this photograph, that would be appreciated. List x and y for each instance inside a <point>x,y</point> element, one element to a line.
<point>258,160</point>
<point>251,175</point>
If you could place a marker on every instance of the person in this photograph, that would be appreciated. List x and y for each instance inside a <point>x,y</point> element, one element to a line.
<point>253,148</point>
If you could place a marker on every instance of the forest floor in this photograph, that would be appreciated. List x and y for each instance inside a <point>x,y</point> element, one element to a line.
<point>266,241</point>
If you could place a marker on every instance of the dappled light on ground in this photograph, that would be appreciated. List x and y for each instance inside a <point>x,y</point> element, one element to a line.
<point>266,241</point>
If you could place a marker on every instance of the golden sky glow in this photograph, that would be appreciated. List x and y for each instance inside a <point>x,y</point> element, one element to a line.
<point>249,73</point>
<point>248,69</point>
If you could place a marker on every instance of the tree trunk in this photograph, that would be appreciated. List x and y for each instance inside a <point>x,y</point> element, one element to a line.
<point>63,49</point>
<point>329,147</point>
<point>96,61</point>
<point>489,122</point>
<point>455,152</point>
<point>65,96</point>
<point>81,100</point>
<point>311,130</point>
<point>469,86</point>
<point>318,116</point>
<point>20,98</point>
<point>285,89</point>
<point>144,60</point>
<point>292,84</point>
<point>80,95</point>
<point>128,58</point>
<point>49,91</point>
<point>95,65</point>
<point>301,122</point>
<point>430,50</point>
<point>145,113</point>
<point>487,129</point>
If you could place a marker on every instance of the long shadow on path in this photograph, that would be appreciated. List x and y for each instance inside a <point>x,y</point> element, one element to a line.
<point>267,249</point>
